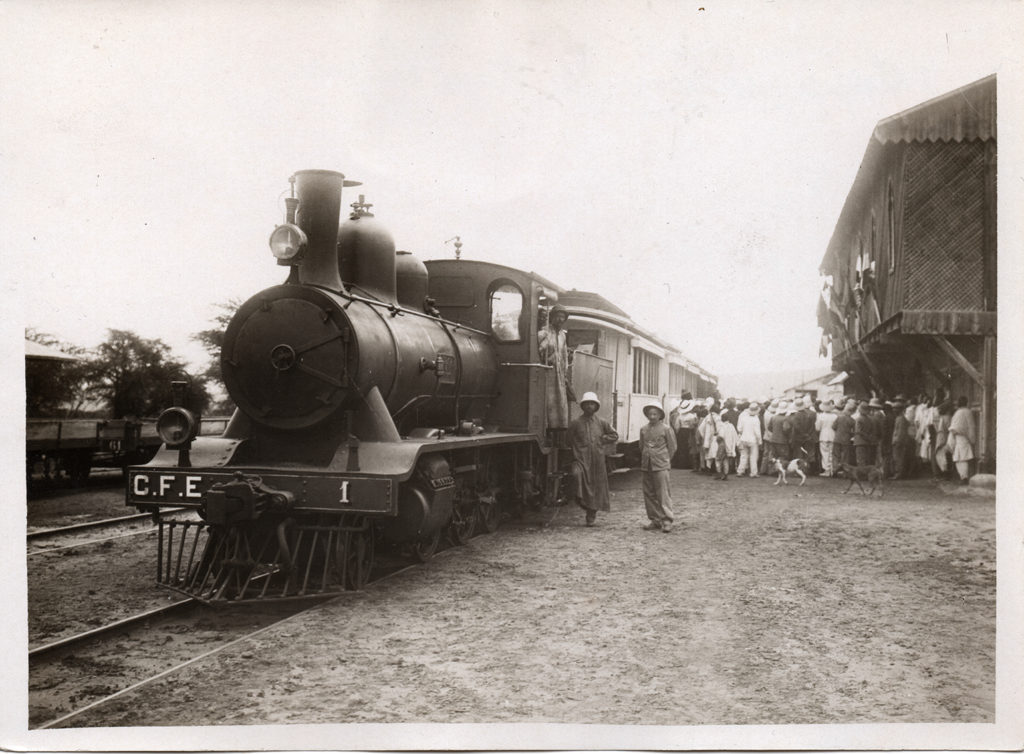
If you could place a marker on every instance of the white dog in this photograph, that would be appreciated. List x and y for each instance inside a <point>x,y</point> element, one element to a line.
<point>797,466</point>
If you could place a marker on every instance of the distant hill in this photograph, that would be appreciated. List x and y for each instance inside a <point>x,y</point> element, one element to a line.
<point>765,384</point>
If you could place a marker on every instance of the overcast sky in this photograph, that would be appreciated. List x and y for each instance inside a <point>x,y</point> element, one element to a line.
<point>687,162</point>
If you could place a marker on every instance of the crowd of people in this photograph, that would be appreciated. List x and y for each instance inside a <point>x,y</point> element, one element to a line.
<point>902,438</point>
<point>905,438</point>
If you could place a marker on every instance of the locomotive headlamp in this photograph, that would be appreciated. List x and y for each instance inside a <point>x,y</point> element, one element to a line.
<point>288,242</point>
<point>177,427</point>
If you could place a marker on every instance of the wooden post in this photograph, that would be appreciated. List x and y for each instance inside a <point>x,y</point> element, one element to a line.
<point>881,384</point>
<point>927,362</point>
<point>987,429</point>
<point>961,360</point>
<point>987,436</point>
<point>990,238</point>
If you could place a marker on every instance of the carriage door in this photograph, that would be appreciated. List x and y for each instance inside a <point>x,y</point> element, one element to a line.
<point>594,374</point>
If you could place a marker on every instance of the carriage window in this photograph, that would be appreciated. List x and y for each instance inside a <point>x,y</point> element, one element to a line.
<point>506,306</point>
<point>676,379</point>
<point>645,372</point>
<point>582,340</point>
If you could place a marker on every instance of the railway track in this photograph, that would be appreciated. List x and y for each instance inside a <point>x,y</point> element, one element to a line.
<point>79,673</point>
<point>86,525</point>
<point>65,537</point>
<point>38,653</point>
<point>81,666</point>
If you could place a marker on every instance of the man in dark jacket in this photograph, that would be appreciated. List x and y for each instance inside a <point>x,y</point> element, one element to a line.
<point>730,414</point>
<point>803,442</point>
<point>865,435</point>
<point>888,415</point>
<point>881,440</point>
<point>781,427</point>
<point>902,440</point>
<point>842,446</point>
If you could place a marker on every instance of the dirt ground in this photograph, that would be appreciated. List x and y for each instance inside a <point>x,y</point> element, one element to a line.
<point>101,498</point>
<point>767,604</point>
<point>72,590</point>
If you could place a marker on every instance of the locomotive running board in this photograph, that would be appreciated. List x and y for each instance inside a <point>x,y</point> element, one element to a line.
<point>219,566</point>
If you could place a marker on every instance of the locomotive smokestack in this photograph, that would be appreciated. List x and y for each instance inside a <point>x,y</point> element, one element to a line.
<point>318,213</point>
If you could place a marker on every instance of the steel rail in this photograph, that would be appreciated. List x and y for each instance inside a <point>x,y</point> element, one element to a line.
<point>35,654</point>
<point>197,658</point>
<point>85,525</point>
<point>77,545</point>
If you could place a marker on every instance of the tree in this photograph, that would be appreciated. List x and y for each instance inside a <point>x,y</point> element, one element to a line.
<point>133,376</point>
<point>212,341</point>
<point>55,388</point>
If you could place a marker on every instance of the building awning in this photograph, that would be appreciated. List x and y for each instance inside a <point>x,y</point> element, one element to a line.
<point>839,379</point>
<point>925,322</point>
<point>930,322</point>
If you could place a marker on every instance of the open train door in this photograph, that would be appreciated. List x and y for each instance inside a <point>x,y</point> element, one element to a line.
<point>595,374</point>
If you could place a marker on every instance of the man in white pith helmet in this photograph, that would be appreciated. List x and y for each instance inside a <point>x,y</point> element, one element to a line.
<point>657,446</point>
<point>590,438</point>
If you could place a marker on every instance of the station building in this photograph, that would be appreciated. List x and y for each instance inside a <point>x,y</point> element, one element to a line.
<point>909,302</point>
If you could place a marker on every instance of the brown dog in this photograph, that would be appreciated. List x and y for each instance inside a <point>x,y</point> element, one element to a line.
<point>857,474</point>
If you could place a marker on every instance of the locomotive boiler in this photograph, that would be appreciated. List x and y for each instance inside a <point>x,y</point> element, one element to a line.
<point>374,406</point>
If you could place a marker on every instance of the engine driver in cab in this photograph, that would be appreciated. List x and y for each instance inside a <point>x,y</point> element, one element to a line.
<point>554,352</point>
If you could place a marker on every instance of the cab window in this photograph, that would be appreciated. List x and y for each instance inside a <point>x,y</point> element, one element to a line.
<point>506,308</point>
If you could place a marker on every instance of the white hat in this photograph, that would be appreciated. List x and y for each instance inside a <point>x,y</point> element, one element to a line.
<point>592,397</point>
<point>686,406</point>
<point>654,404</point>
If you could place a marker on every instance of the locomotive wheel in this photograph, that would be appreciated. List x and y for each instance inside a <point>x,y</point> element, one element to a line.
<point>489,511</point>
<point>462,525</point>
<point>424,551</point>
<point>359,554</point>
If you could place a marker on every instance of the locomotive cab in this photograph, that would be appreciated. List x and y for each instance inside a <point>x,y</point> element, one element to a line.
<point>505,303</point>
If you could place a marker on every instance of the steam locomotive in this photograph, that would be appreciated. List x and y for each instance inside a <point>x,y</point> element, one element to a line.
<point>378,403</point>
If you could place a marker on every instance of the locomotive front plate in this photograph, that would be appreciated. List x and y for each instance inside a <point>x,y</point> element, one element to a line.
<point>322,492</point>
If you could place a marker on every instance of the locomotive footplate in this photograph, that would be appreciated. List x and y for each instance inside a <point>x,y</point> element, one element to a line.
<point>304,492</point>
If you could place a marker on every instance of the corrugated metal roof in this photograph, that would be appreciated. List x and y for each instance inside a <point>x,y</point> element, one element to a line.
<point>964,114</point>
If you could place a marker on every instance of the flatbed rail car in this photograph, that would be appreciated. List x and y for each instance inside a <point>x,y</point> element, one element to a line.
<point>73,447</point>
